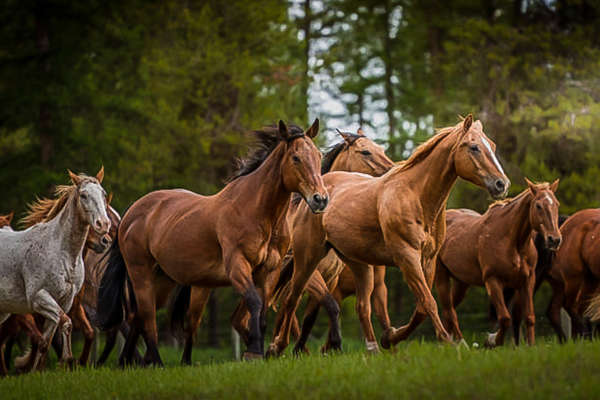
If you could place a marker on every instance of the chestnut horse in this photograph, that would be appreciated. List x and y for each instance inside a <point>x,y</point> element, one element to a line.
<point>355,153</point>
<point>575,273</point>
<point>496,250</point>
<point>231,238</point>
<point>396,219</point>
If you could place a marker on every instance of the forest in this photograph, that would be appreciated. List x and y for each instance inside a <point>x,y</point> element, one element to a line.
<point>164,93</point>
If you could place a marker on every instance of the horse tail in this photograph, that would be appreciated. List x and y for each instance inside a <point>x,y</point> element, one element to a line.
<point>285,278</point>
<point>593,309</point>
<point>178,307</point>
<point>111,293</point>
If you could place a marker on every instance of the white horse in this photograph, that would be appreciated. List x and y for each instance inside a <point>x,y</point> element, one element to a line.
<point>41,268</point>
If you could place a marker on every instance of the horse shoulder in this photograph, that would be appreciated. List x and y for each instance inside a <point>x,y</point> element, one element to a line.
<point>402,219</point>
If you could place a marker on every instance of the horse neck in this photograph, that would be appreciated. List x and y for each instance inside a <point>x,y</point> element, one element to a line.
<point>270,197</point>
<point>71,229</point>
<point>515,219</point>
<point>432,179</point>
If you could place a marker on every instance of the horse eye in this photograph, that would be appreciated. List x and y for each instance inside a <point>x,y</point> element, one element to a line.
<point>538,206</point>
<point>83,196</point>
<point>296,159</point>
<point>365,153</point>
<point>474,148</point>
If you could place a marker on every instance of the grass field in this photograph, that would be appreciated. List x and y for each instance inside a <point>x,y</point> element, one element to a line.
<point>415,370</point>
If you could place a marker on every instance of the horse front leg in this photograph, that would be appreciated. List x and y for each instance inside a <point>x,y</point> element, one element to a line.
<point>363,278</point>
<point>240,274</point>
<point>66,328</point>
<point>495,292</point>
<point>46,306</point>
<point>419,278</point>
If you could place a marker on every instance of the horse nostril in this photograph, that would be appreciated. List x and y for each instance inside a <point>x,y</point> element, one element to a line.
<point>105,241</point>
<point>317,198</point>
<point>500,185</point>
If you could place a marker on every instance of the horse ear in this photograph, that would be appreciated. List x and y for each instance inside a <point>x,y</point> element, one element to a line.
<point>100,174</point>
<point>360,132</point>
<point>283,130</point>
<point>467,122</point>
<point>345,135</point>
<point>313,131</point>
<point>10,216</point>
<point>74,178</point>
<point>532,186</point>
<point>109,198</point>
<point>554,185</point>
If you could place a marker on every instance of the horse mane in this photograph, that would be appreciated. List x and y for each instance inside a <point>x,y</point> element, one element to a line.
<point>510,200</point>
<point>427,147</point>
<point>335,150</point>
<point>267,140</point>
<point>44,209</point>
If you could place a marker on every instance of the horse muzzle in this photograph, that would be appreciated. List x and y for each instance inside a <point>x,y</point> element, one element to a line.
<point>497,187</point>
<point>318,203</point>
<point>553,242</point>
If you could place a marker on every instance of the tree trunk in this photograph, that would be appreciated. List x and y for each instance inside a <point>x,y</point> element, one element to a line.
<point>306,27</point>
<point>389,89</point>
<point>45,116</point>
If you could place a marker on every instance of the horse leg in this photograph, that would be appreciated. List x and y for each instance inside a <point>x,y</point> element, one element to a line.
<point>380,296</point>
<point>240,274</point>
<point>363,278</point>
<point>81,321</point>
<point>494,290</point>
<point>142,281</point>
<point>571,296</point>
<point>308,322</point>
<point>198,299</point>
<point>127,355</point>
<point>517,313</point>
<point>588,288</point>
<point>553,312</point>
<point>45,305</point>
<point>317,288</point>
<point>447,290</point>
<point>420,279</point>
<point>528,309</point>
<point>111,339</point>
<point>239,321</point>
<point>306,260</point>
<point>66,327</point>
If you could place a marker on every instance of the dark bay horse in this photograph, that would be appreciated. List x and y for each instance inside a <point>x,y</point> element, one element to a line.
<point>234,237</point>
<point>575,272</point>
<point>496,250</point>
<point>396,219</point>
<point>355,153</point>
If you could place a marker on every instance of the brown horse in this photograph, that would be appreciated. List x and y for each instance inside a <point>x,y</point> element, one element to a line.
<point>496,250</point>
<point>575,272</point>
<point>231,238</point>
<point>355,153</point>
<point>396,219</point>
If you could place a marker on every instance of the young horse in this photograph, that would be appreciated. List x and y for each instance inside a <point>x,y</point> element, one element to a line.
<point>231,238</point>
<point>496,250</point>
<point>575,272</point>
<point>355,153</point>
<point>396,219</point>
<point>45,281</point>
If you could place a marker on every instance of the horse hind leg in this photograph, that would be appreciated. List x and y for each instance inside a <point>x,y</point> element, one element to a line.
<point>198,300</point>
<point>494,289</point>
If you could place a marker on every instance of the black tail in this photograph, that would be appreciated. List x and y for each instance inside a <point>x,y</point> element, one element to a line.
<point>178,307</point>
<point>111,293</point>
<point>284,277</point>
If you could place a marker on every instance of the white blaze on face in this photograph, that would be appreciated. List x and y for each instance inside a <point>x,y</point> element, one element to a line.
<point>489,148</point>
<point>549,199</point>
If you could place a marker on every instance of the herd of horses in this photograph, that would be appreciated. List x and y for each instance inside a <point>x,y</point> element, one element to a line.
<point>288,222</point>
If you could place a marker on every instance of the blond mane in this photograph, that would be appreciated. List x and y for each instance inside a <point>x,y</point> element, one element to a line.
<point>44,209</point>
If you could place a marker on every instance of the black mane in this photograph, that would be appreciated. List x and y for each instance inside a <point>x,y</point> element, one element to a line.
<point>335,150</point>
<point>267,140</point>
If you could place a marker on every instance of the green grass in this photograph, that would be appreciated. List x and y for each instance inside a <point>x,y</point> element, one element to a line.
<point>416,370</point>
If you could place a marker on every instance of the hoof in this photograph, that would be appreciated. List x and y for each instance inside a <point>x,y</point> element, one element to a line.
<point>300,350</point>
<point>272,351</point>
<point>372,347</point>
<point>68,364</point>
<point>249,356</point>
<point>490,342</point>
<point>386,338</point>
